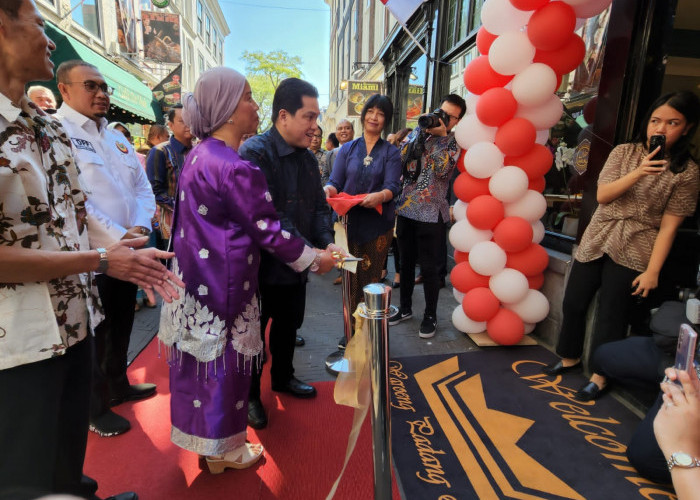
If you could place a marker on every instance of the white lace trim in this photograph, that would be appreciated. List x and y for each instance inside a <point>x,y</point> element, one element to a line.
<point>207,446</point>
<point>305,259</point>
<point>202,334</point>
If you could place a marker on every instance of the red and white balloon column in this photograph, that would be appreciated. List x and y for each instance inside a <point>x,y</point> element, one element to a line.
<point>526,47</point>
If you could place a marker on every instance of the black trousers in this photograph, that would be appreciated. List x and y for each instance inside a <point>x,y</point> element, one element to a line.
<point>112,342</point>
<point>44,423</point>
<point>420,242</point>
<point>615,302</point>
<point>637,362</point>
<point>284,305</point>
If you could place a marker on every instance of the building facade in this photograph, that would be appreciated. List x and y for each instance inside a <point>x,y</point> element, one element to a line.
<point>136,44</point>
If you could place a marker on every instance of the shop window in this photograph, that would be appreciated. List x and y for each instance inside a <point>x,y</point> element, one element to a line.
<point>215,40</point>
<point>87,15</point>
<point>570,139</point>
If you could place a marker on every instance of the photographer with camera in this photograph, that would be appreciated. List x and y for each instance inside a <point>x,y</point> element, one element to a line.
<point>428,159</point>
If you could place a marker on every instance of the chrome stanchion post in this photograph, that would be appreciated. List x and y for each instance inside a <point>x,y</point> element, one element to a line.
<point>376,309</point>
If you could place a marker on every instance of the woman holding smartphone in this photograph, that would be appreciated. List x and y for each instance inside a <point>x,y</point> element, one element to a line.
<point>642,202</point>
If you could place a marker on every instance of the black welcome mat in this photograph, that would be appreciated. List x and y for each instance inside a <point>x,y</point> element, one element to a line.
<point>487,424</point>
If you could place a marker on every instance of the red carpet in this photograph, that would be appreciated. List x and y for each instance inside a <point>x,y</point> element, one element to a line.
<point>304,443</point>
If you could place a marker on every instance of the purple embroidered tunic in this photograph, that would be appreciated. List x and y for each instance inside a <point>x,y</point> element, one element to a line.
<point>223,218</point>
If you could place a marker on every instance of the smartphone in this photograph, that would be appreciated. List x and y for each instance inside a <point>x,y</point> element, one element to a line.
<point>685,352</point>
<point>656,141</point>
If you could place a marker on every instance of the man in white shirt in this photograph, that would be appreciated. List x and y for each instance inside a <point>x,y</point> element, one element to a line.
<point>120,196</point>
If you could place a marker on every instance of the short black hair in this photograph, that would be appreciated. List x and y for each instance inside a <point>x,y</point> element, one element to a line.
<point>320,129</point>
<point>288,96</point>
<point>334,140</point>
<point>457,101</point>
<point>171,112</point>
<point>11,7</point>
<point>66,66</point>
<point>382,103</point>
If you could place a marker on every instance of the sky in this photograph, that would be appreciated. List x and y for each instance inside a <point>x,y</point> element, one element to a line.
<point>301,28</point>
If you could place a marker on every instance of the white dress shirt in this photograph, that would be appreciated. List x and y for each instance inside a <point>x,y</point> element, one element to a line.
<point>118,191</point>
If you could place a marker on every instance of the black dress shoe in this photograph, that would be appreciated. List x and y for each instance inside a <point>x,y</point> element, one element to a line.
<point>299,341</point>
<point>109,424</point>
<point>342,343</point>
<point>134,393</point>
<point>127,495</point>
<point>559,368</point>
<point>256,414</point>
<point>395,284</point>
<point>296,388</point>
<point>589,392</point>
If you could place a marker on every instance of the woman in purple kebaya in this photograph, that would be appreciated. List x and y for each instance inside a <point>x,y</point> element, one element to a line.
<point>223,218</point>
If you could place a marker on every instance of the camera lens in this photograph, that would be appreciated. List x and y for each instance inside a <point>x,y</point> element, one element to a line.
<point>428,121</point>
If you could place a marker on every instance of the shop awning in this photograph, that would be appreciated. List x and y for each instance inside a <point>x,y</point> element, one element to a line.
<point>131,96</point>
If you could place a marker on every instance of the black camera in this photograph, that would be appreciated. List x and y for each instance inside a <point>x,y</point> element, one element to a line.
<point>432,120</point>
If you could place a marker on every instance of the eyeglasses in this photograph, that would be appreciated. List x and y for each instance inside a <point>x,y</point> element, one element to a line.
<point>92,86</point>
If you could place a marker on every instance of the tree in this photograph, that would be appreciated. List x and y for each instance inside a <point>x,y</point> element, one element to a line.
<point>265,71</point>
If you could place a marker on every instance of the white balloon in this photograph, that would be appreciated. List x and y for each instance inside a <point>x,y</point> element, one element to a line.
<point>544,116</point>
<point>462,323</point>
<point>459,210</point>
<point>499,16</point>
<point>487,258</point>
<point>542,137</point>
<point>508,184</point>
<point>470,130</point>
<point>509,286</point>
<point>463,236</point>
<point>530,207</point>
<point>529,327</point>
<point>534,85</point>
<point>483,159</point>
<point>459,296</point>
<point>471,100</point>
<point>537,231</point>
<point>511,53</point>
<point>533,308</point>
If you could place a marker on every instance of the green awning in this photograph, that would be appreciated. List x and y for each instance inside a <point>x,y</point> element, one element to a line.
<point>130,94</point>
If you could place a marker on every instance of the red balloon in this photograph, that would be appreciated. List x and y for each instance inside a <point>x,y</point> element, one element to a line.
<point>467,187</point>
<point>496,106</point>
<point>480,304</point>
<point>505,328</point>
<point>537,184</point>
<point>485,211</point>
<point>460,161</point>
<point>551,26</point>
<point>484,39</point>
<point>536,162</point>
<point>513,234</point>
<point>536,282</point>
<point>516,137</point>
<point>528,4</point>
<point>464,278</point>
<point>479,76</point>
<point>531,261</point>
<point>461,257</point>
<point>566,58</point>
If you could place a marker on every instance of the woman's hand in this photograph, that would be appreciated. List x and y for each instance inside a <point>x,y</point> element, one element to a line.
<point>373,199</point>
<point>677,424</point>
<point>330,191</point>
<point>649,166</point>
<point>645,283</point>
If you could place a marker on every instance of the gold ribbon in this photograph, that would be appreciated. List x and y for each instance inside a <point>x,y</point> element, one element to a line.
<point>352,388</point>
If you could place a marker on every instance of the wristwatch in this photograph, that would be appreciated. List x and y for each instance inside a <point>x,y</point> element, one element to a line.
<point>316,263</point>
<point>104,263</point>
<point>683,460</point>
